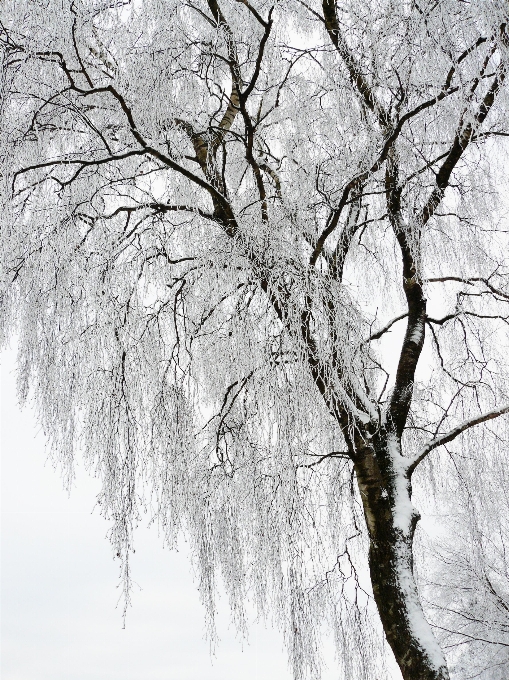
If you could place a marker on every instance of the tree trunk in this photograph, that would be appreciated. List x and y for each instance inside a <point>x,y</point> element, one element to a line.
<point>391,520</point>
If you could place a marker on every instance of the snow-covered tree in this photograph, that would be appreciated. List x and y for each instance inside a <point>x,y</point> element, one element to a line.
<point>218,218</point>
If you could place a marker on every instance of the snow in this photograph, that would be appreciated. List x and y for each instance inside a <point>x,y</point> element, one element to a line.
<point>416,335</point>
<point>363,417</point>
<point>418,624</point>
<point>403,509</point>
<point>403,512</point>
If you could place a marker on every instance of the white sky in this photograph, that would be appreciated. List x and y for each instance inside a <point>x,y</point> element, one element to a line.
<point>59,620</point>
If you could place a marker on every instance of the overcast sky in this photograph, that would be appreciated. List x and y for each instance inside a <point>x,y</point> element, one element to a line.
<point>59,620</point>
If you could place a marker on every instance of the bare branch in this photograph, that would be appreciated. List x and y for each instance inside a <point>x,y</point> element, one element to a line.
<point>268,27</point>
<point>337,38</point>
<point>333,454</point>
<point>254,12</point>
<point>452,434</point>
<point>386,328</point>
<point>471,280</point>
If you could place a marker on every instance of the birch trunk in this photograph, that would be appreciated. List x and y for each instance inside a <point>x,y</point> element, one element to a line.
<point>391,520</point>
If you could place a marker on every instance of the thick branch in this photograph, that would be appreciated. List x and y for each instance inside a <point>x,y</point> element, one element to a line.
<point>464,136</point>
<point>363,87</point>
<point>414,337</point>
<point>254,12</point>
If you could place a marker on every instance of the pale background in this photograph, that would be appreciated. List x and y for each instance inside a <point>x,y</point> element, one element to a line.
<point>59,594</point>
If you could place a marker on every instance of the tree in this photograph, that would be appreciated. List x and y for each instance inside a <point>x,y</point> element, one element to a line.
<point>216,216</point>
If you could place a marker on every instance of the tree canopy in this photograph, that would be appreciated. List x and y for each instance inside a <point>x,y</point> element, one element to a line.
<point>254,254</point>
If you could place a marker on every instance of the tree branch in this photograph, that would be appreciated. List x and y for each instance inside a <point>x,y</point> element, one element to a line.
<point>386,328</point>
<point>471,280</point>
<point>268,27</point>
<point>413,342</point>
<point>254,12</point>
<point>333,454</point>
<point>363,87</point>
<point>159,208</point>
<point>452,434</point>
<point>461,141</point>
<point>77,161</point>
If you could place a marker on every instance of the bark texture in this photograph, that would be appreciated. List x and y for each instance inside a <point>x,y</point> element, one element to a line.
<point>391,521</point>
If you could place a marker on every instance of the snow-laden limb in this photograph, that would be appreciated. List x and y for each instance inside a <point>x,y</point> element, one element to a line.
<point>404,512</point>
<point>452,434</point>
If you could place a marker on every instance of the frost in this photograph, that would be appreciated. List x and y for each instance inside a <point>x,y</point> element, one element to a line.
<point>418,623</point>
<point>208,209</point>
<point>416,336</point>
<point>403,510</point>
